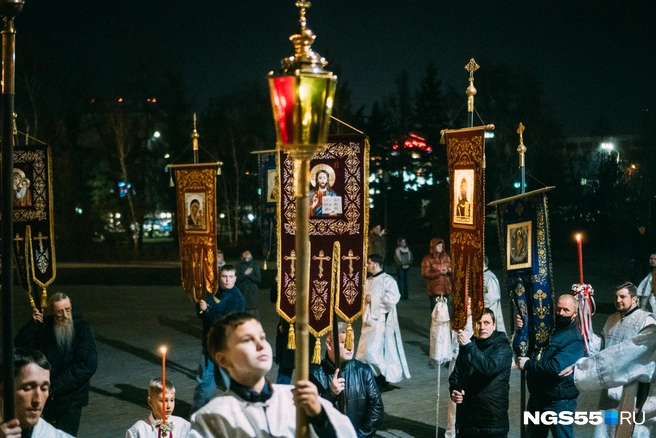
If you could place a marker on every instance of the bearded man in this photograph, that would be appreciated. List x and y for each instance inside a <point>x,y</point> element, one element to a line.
<point>322,188</point>
<point>69,345</point>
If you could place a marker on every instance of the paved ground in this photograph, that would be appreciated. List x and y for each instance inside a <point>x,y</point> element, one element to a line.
<point>134,311</point>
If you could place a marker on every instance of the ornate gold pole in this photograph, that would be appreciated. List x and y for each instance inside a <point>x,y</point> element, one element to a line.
<point>521,150</point>
<point>471,91</point>
<point>302,98</point>
<point>8,10</point>
<point>194,141</point>
<point>301,362</point>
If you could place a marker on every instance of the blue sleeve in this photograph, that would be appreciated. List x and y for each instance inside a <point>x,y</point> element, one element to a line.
<point>561,359</point>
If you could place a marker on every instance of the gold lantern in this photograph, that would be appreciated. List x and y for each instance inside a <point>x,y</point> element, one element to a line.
<point>302,96</point>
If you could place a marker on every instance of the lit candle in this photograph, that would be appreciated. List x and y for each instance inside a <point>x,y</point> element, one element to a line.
<point>580,248</point>
<point>163,350</point>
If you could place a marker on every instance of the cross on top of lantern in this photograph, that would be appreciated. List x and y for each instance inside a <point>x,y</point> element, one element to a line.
<point>302,96</point>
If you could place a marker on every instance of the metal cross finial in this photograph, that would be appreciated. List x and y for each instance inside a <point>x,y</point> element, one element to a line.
<point>303,5</point>
<point>521,149</point>
<point>471,68</point>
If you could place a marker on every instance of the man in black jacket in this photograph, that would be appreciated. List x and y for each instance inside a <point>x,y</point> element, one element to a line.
<point>363,403</point>
<point>479,383</point>
<point>69,345</point>
<point>548,390</point>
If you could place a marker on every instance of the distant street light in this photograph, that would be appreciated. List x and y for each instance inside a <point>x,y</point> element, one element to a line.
<point>610,147</point>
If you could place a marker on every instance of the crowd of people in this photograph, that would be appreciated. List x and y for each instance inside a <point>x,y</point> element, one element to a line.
<point>56,358</point>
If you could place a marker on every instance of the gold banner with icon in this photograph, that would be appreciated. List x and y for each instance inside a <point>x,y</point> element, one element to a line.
<point>196,199</point>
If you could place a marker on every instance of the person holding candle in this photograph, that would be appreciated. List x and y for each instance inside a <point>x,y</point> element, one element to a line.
<point>158,399</point>
<point>228,299</point>
<point>253,406</point>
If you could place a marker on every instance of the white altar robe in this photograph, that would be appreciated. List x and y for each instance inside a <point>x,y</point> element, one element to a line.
<point>43,429</point>
<point>380,341</point>
<point>645,294</point>
<point>147,428</point>
<point>626,364</point>
<point>229,416</point>
<point>617,330</point>
<point>492,297</point>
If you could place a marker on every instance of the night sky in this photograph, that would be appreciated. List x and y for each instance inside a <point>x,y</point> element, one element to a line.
<point>593,58</point>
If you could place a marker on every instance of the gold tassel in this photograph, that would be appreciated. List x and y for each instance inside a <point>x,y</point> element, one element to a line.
<point>264,268</point>
<point>348,342</point>
<point>32,303</point>
<point>291,338</point>
<point>316,357</point>
<point>44,298</point>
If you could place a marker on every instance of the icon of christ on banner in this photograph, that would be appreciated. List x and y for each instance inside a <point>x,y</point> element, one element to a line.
<point>324,201</point>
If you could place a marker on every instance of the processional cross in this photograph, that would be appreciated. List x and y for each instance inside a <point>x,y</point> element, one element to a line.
<point>321,259</point>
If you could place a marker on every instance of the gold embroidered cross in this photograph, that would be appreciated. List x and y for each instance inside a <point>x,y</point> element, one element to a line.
<point>350,257</point>
<point>541,311</point>
<point>292,257</point>
<point>321,259</point>
<point>17,239</point>
<point>40,237</point>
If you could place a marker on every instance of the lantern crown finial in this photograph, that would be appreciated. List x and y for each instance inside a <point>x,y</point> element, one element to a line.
<point>304,59</point>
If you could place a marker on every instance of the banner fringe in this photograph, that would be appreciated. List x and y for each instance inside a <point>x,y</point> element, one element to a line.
<point>348,343</point>
<point>316,357</point>
<point>291,338</point>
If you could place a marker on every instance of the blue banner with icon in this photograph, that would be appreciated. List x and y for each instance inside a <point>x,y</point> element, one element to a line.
<point>523,222</point>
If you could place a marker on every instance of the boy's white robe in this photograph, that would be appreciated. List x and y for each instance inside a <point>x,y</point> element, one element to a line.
<point>230,416</point>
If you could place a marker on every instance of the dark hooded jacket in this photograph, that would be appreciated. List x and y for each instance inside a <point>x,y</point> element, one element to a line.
<point>363,403</point>
<point>483,371</point>
<point>431,266</point>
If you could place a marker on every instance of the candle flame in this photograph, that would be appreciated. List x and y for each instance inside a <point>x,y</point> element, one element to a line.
<point>578,237</point>
<point>163,350</point>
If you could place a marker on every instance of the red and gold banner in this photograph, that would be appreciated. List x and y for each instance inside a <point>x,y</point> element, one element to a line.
<point>196,199</point>
<point>339,218</point>
<point>466,151</point>
<point>34,247</point>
